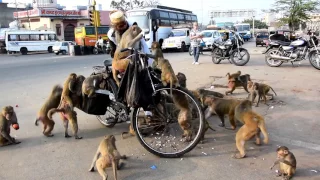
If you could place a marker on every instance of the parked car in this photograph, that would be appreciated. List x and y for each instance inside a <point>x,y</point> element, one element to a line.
<point>262,38</point>
<point>62,47</point>
<point>178,39</point>
<point>209,37</point>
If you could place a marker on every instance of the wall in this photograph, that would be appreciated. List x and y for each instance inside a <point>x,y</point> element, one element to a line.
<point>6,15</point>
<point>104,17</point>
<point>37,23</point>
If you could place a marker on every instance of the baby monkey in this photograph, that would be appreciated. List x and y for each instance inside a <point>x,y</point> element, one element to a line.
<point>287,163</point>
<point>109,157</point>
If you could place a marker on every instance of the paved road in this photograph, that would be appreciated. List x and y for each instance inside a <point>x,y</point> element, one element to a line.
<point>292,120</point>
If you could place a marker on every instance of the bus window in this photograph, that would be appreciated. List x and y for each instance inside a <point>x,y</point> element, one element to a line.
<point>52,37</point>
<point>43,37</point>
<point>164,14</point>
<point>34,37</point>
<point>181,16</point>
<point>173,22</point>
<point>12,37</point>
<point>194,18</point>
<point>164,22</point>
<point>188,18</point>
<point>103,30</point>
<point>173,15</point>
<point>89,30</point>
<point>24,37</point>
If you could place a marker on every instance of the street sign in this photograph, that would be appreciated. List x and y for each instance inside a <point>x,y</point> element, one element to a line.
<point>232,13</point>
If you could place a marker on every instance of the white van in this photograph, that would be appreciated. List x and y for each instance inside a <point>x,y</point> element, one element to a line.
<point>25,41</point>
<point>62,47</point>
<point>210,36</point>
<point>178,39</point>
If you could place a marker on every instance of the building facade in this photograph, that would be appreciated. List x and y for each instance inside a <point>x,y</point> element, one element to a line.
<point>314,21</point>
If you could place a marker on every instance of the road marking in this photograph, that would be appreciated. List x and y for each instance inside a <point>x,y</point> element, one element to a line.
<point>295,142</point>
<point>56,57</point>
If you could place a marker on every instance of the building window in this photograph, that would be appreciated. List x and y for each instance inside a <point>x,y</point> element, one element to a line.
<point>58,29</point>
<point>81,24</point>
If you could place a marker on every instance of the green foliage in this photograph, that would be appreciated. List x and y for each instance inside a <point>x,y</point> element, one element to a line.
<point>295,11</point>
<point>257,24</point>
<point>124,5</point>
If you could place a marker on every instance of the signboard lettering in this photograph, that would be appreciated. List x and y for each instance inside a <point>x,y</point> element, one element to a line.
<point>46,12</point>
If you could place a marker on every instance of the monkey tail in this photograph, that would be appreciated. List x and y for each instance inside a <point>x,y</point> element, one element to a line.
<point>209,127</point>
<point>262,127</point>
<point>36,121</point>
<point>273,90</point>
<point>52,111</point>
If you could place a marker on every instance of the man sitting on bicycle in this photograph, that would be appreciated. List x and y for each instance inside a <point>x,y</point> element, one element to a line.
<point>120,24</point>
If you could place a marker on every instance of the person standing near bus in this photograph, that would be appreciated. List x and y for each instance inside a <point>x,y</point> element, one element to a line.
<point>195,37</point>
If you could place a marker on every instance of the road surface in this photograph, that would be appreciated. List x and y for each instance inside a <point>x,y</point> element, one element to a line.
<point>292,119</point>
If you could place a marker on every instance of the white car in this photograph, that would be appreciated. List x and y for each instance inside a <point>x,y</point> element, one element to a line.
<point>178,39</point>
<point>62,47</point>
<point>210,36</point>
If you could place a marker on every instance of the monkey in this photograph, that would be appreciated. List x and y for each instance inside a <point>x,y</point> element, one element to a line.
<point>109,156</point>
<point>201,93</point>
<point>182,79</point>
<point>52,102</point>
<point>234,76</point>
<point>8,117</point>
<point>130,38</point>
<point>237,81</point>
<point>253,123</point>
<point>287,162</point>
<point>77,89</point>
<point>167,74</point>
<point>261,90</point>
<point>156,52</point>
<point>221,107</point>
<point>92,83</point>
<point>131,131</point>
<point>68,87</point>
<point>67,116</point>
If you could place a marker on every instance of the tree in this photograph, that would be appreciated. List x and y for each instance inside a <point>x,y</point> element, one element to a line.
<point>295,11</point>
<point>124,5</point>
<point>257,24</point>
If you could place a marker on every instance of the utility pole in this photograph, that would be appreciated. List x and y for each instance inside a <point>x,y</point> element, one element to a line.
<point>253,26</point>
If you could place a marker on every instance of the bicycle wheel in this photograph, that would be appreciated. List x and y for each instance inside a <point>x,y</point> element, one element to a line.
<point>155,134</point>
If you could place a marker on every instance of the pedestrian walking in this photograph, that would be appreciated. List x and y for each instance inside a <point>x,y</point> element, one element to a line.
<point>195,37</point>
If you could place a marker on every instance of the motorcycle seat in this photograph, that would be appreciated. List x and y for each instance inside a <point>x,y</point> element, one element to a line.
<point>108,62</point>
<point>283,43</point>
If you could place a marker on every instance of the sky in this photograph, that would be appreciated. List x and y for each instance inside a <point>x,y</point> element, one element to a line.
<point>199,7</point>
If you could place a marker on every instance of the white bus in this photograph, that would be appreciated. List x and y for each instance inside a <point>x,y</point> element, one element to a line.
<point>25,41</point>
<point>243,29</point>
<point>157,21</point>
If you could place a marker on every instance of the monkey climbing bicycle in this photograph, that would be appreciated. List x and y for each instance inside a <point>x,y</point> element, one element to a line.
<point>177,122</point>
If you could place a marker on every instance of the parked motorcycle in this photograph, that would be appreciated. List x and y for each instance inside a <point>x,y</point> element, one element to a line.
<point>104,49</point>
<point>279,52</point>
<point>231,50</point>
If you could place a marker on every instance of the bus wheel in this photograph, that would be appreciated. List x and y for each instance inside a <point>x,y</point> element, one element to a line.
<point>24,51</point>
<point>50,49</point>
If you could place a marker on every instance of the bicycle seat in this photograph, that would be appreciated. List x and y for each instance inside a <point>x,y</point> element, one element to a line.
<point>108,62</point>
<point>283,43</point>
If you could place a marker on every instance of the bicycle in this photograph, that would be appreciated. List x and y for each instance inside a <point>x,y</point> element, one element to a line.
<point>154,97</point>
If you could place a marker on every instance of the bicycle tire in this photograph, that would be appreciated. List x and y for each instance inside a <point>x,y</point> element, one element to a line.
<point>195,141</point>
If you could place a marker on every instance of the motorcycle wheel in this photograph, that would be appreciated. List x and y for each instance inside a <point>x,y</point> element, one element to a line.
<point>271,62</point>
<point>313,58</point>
<point>95,51</point>
<point>113,88</point>
<point>237,61</point>
<point>216,55</point>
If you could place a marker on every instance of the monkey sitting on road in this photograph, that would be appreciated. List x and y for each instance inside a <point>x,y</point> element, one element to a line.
<point>130,38</point>
<point>7,118</point>
<point>237,80</point>
<point>287,163</point>
<point>261,90</point>
<point>253,124</point>
<point>109,157</point>
<point>221,107</point>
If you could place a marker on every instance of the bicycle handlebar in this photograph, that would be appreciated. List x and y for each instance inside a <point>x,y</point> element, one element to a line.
<point>144,54</point>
